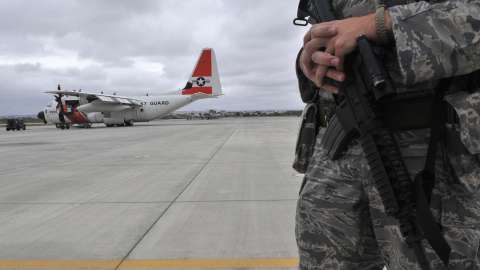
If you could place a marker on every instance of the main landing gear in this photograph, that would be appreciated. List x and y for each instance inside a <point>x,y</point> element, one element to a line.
<point>126,123</point>
<point>62,126</point>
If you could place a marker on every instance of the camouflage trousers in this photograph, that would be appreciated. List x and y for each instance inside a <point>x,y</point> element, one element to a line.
<point>341,223</point>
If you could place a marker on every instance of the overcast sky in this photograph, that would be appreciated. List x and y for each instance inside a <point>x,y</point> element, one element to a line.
<point>139,47</point>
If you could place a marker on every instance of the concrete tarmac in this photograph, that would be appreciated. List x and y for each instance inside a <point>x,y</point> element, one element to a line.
<point>170,194</point>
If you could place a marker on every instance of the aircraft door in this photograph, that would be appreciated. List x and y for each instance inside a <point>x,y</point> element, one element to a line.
<point>141,112</point>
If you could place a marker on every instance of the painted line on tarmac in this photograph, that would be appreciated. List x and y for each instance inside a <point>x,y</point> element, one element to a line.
<point>210,263</point>
<point>58,264</point>
<point>146,264</point>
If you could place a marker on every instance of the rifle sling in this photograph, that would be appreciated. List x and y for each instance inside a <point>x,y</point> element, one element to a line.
<point>425,182</point>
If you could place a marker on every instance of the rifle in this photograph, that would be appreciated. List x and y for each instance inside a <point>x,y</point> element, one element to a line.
<point>367,83</point>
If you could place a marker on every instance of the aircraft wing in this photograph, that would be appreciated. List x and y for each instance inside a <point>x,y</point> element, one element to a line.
<point>102,97</point>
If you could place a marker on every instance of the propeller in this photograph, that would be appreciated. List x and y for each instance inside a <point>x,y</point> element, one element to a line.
<point>58,99</point>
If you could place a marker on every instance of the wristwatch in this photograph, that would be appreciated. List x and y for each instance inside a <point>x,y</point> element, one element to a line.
<point>380,22</point>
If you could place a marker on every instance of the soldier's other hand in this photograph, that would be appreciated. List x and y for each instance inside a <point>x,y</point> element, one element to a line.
<point>339,39</point>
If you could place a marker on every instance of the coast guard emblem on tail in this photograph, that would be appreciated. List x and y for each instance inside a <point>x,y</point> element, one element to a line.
<point>201,81</point>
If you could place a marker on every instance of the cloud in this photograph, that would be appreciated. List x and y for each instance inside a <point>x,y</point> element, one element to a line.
<point>93,72</point>
<point>27,67</point>
<point>138,47</point>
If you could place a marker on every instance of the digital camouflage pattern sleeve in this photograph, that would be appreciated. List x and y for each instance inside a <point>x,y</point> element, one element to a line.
<point>436,40</point>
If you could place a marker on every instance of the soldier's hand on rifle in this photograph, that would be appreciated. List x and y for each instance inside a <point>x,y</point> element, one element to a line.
<point>339,39</point>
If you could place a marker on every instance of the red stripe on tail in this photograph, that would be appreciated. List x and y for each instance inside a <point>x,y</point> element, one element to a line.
<point>204,65</point>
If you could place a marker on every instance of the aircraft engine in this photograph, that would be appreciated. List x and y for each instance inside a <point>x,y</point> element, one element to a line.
<point>96,117</point>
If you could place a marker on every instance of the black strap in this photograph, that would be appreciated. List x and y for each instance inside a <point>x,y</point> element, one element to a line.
<point>408,114</point>
<point>425,182</point>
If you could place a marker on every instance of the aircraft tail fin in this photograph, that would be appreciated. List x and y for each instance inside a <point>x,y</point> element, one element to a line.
<point>204,78</point>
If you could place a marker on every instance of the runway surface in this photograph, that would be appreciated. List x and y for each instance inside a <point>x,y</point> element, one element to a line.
<point>170,194</point>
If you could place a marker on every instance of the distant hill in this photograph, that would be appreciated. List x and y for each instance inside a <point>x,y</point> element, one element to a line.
<point>18,116</point>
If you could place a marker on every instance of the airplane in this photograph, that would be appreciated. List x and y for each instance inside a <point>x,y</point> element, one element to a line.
<point>208,114</point>
<point>192,116</point>
<point>72,107</point>
<point>215,116</point>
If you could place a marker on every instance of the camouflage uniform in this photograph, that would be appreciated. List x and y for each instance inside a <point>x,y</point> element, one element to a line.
<point>341,222</point>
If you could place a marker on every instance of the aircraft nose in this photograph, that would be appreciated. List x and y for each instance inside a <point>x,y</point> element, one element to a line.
<point>41,115</point>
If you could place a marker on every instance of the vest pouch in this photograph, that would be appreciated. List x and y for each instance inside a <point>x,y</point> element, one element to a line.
<point>462,140</point>
<point>306,138</point>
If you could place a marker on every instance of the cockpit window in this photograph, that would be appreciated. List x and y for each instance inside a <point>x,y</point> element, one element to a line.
<point>50,104</point>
